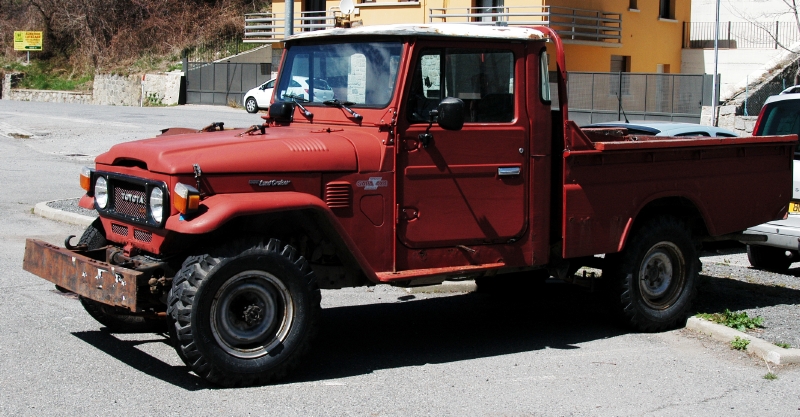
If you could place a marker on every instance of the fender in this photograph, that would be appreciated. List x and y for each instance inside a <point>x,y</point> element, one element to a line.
<point>218,209</point>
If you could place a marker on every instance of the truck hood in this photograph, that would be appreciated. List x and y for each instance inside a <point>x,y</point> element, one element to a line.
<point>282,149</point>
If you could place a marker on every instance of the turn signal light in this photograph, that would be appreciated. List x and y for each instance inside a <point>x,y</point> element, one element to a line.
<point>86,178</point>
<point>187,198</point>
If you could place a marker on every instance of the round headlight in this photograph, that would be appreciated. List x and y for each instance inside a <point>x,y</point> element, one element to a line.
<point>157,204</point>
<point>101,192</point>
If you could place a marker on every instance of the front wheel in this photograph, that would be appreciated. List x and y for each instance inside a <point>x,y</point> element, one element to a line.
<point>652,281</point>
<point>251,105</point>
<point>244,314</point>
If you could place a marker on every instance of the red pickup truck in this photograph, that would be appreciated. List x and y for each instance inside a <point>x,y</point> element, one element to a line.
<point>410,155</point>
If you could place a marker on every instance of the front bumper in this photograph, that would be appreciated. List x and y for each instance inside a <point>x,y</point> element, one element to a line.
<point>80,273</point>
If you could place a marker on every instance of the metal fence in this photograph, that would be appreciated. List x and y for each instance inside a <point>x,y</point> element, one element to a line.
<point>217,49</point>
<point>223,83</point>
<point>741,35</point>
<point>600,97</point>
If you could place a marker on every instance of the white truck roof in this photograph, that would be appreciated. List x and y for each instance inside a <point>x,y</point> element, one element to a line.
<point>433,29</point>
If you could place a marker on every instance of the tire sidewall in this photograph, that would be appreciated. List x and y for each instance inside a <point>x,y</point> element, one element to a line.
<point>282,269</point>
<point>247,105</point>
<point>642,315</point>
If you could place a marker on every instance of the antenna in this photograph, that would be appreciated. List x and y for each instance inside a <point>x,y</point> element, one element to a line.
<point>346,6</point>
<point>623,110</point>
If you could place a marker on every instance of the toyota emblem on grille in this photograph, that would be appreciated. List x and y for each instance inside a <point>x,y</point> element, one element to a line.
<point>133,198</point>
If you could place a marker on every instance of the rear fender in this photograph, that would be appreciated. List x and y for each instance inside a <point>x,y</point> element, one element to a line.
<point>218,210</point>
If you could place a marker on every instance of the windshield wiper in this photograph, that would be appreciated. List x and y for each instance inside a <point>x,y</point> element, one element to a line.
<point>294,98</point>
<point>343,105</point>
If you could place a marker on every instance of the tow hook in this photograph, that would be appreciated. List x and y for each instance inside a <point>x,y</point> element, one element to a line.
<point>80,246</point>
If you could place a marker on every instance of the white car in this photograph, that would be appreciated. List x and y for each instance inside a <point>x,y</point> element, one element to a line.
<point>259,97</point>
<point>298,87</point>
<point>665,128</point>
<point>779,116</point>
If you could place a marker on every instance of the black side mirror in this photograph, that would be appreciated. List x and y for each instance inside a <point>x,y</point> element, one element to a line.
<point>281,111</point>
<point>451,113</point>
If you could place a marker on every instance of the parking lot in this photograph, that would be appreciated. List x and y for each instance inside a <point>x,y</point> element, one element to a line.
<point>382,351</point>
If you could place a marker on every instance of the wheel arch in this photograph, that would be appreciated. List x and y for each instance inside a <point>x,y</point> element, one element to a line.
<point>302,220</point>
<point>675,206</point>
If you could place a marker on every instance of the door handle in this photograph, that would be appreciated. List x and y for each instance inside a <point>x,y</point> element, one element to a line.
<point>508,171</point>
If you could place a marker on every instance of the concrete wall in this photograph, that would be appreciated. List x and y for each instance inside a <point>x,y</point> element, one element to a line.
<point>260,55</point>
<point>736,66</point>
<point>109,89</point>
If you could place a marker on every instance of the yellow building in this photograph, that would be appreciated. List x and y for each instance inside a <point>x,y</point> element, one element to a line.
<point>599,35</point>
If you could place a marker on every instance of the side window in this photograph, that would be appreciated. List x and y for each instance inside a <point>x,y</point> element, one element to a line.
<point>482,78</point>
<point>270,84</point>
<point>544,77</point>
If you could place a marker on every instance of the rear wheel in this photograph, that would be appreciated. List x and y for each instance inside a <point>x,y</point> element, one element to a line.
<point>244,314</point>
<point>251,105</point>
<point>114,318</point>
<point>768,258</point>
<point>652,282</point>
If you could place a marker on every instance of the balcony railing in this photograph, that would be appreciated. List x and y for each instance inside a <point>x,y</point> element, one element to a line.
<point>573,25</point>
<point>271,27</point>
<point>741,35</point>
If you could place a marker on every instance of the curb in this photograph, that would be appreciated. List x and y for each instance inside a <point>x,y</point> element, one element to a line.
<point>758,347</point>
<point>42,209</point>
<point>445,287</point>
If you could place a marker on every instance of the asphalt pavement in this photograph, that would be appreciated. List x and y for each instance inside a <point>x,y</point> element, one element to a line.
<point>382,351</point>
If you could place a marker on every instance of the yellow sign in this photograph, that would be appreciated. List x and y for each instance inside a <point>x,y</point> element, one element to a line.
<point>27,40</point>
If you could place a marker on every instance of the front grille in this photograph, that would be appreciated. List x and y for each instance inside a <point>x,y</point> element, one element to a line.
<point>130,200</point>
<point>338,195</point>
<point>119,229</point>
<point>142,235</point>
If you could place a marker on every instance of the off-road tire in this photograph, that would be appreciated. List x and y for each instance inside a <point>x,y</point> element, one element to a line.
<point>652,282</point>
<point>246,313</point>
<point>768,258</point>
<point>251,105</point>
<point>116,320</point>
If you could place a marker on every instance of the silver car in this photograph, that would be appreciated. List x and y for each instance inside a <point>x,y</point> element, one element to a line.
<point>665,128</point>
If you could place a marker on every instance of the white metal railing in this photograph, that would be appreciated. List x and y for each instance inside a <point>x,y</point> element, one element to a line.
<point>271,27</point>
<point>573,25</point>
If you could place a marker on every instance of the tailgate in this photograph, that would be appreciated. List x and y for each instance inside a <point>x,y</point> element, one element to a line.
<point>98,281</point>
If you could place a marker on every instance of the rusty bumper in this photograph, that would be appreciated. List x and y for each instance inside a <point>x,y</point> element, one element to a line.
<point>99,281</point>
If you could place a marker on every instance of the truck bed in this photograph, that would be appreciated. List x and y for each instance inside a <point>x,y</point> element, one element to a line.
<point>610,179</point>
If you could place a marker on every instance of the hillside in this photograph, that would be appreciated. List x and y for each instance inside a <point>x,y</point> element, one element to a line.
<point>82,37</point>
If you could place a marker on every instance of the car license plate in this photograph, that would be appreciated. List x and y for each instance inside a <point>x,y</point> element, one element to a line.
<point>794,207</point>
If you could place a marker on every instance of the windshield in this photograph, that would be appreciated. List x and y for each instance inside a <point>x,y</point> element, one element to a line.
<point>781,118</point>
<point>357,73</point>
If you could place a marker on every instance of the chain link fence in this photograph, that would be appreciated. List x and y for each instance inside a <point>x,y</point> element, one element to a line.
<point>601,97</point>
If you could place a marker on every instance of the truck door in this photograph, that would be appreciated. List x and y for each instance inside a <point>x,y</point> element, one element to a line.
<point>466,187</point>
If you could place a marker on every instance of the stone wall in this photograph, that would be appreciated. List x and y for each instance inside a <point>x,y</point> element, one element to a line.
<point>742,125</point>
<point>117,90</point>
<point>109,89</point>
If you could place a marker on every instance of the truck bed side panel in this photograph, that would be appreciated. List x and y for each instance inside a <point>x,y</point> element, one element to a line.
<point>733,185</point>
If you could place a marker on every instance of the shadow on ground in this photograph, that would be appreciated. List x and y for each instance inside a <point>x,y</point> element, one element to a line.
<point>412,331</point>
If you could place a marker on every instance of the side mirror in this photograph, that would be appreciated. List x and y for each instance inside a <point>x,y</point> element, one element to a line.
<point>451,114</point>
<point>281,111</point>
